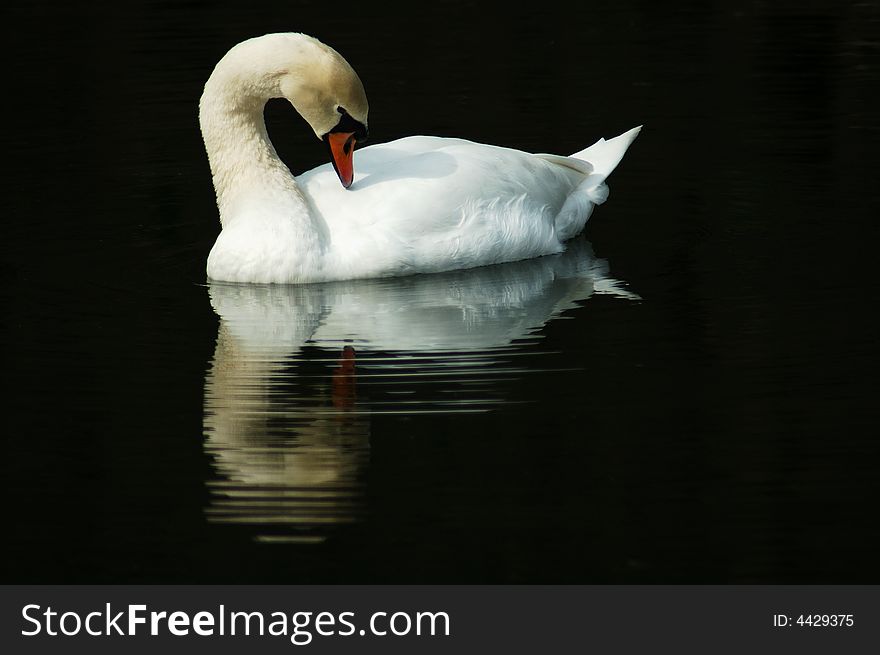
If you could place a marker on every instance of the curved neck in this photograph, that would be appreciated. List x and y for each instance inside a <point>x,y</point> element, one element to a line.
<point>245,167</point>
<point>251,181</point>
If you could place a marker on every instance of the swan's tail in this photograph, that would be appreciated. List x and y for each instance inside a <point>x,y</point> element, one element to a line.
<point>604,156</point>
<point>596,163</point>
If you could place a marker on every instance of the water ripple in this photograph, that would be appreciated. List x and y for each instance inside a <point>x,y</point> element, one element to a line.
<point>299,371</point>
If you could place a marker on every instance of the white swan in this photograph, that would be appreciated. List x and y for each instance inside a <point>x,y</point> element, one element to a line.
<point>418,205</point>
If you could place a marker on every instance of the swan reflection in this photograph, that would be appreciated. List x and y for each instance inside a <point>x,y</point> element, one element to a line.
<point>298,371</point>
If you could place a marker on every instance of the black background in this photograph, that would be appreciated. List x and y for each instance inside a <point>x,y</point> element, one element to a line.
<point>721,430</point>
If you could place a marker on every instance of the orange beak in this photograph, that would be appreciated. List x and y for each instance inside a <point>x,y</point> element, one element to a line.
<point>342,155</point>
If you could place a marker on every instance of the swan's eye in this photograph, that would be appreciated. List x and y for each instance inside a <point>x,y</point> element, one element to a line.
<point>350,125</point>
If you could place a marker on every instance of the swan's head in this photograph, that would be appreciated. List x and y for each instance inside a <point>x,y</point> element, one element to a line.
<point>315,78</point>
<point>326,91</point>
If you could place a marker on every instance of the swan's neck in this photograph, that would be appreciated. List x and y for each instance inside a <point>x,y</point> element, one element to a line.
<point>251,181</point>
<point>246,169</point>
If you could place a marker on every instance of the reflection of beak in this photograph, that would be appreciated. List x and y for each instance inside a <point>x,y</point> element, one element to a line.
<point>341,154</point>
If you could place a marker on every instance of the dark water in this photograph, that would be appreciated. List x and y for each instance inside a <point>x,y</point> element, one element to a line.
<point>687,395</point>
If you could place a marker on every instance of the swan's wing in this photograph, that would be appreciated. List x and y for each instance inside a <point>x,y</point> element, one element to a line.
<point>425,199</point>
<point>424,183</point>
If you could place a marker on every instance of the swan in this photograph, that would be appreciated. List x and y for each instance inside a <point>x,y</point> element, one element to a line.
<point>420,204</point>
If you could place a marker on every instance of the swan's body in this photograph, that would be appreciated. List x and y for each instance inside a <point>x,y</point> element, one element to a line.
<point>420,204</point>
